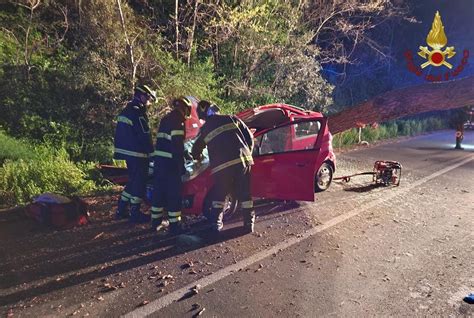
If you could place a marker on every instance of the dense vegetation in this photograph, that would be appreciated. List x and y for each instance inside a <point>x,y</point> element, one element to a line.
<point>68,66</point>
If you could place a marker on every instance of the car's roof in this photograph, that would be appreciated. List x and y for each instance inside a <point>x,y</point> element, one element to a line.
<point>267,116</point>
<point>288,109</point>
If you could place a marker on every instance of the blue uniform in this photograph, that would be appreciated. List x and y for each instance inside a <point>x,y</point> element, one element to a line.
<point>168,169</point>
<point>229,142</point>
<point>134,145</point>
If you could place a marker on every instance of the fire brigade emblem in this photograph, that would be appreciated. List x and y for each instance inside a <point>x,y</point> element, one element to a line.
<point>436,39</point>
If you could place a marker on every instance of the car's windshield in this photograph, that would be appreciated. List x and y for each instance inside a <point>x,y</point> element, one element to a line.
<point>194,168</point>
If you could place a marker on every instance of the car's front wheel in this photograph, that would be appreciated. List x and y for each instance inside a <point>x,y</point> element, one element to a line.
<point>323,177</point>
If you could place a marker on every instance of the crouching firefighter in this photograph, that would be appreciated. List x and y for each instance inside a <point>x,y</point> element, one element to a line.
<point>134,145</point>
<point>230,143</point>
<point>169,166</point>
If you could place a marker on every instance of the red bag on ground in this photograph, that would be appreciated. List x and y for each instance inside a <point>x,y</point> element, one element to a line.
<point>58,211</point>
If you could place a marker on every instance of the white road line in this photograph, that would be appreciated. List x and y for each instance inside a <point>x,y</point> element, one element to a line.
<point>164,301</point>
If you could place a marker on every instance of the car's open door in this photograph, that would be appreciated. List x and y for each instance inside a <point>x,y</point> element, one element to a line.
<point>286,158</point>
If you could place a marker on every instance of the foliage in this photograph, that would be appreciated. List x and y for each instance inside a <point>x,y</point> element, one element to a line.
<point>393,129</point>
<point>29,170</point>
<point>14,149</point>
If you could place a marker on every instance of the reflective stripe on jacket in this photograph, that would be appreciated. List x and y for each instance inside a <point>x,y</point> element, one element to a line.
<point>229,142</point>
<point>132,134</point>
<point>170,140</point>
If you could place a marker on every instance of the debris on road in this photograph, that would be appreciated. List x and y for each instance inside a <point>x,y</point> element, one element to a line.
<point>143,303</point>
<point>200,312</point>
<point>163,284</point>
<point>187,265</point>
<point>98,235</point>
<point>196,289</point>
<point>108,288</point>
<point>191,293</point>
<point>469,298</point>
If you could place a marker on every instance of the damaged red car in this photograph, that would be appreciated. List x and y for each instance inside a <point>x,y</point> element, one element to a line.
<point>293,158</point>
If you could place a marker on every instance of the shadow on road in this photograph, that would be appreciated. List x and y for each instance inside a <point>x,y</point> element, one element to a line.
<point>34,255</point>
<point>363,189</point>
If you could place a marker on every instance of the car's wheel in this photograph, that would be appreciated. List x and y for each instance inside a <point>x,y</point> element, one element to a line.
<point>230,207</point>
<point>323,177</point>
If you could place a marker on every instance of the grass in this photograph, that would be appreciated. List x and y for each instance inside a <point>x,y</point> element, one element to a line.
<point>27,171</point>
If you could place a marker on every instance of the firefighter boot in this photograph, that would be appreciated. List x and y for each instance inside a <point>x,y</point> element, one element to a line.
<point>136,216</point>
<point>249,222</point>
<point>122,210</point>
<point>155,223</point>
<point>215,223</point>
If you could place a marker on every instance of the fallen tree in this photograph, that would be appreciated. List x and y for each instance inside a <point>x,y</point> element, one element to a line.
<point>404,102</point>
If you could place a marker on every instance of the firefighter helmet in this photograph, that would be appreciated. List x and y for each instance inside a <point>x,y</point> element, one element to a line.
<point>145,89</point>
<point>185,104</point>
<point>206,109</point>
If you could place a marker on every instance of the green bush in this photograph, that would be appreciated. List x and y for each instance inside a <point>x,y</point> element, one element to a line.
<point>393,129</point>
<point>13,149</point>
<point>370,134</point>
<point>50,170</point>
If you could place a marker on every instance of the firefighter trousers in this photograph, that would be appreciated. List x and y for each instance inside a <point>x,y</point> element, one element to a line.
<point>167,197</point>
<point>233,180</point>
<point>134,191</point>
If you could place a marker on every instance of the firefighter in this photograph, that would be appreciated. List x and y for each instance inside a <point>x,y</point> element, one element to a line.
<point>459,136</point>
<point>230,143</point>
<point>134,145</point>
<point>458,118</point>
<point>169,166</point>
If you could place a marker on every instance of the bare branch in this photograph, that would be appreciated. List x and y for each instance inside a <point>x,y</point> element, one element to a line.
<point>66,24</point>
<point>129,45</point>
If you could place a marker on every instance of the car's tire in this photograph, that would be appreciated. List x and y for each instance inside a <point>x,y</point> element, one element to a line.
<point>323,177</point>
<point>230,210</point>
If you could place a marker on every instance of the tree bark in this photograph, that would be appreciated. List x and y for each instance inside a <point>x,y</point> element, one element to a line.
<point>176,28</point>
<point>404,102</point>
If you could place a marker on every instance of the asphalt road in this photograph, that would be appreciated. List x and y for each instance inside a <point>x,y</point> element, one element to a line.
<point>357,251</point>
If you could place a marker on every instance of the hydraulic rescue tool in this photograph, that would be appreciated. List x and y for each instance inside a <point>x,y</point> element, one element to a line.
<point>385,173</point>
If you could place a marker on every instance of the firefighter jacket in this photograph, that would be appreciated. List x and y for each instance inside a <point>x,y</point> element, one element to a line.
<point>229,142</point>
<point>132,135</point>
<point>170,141</point>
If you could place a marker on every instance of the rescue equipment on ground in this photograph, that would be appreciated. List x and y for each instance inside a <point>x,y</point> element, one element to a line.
<point>385,172</point>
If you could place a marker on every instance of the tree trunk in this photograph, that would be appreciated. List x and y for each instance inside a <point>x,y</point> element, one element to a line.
<point>191,36</point>
<point>176,27</point>
<point>406,101</point>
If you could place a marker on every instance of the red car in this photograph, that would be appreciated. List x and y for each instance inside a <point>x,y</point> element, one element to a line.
<point>293,158</point>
